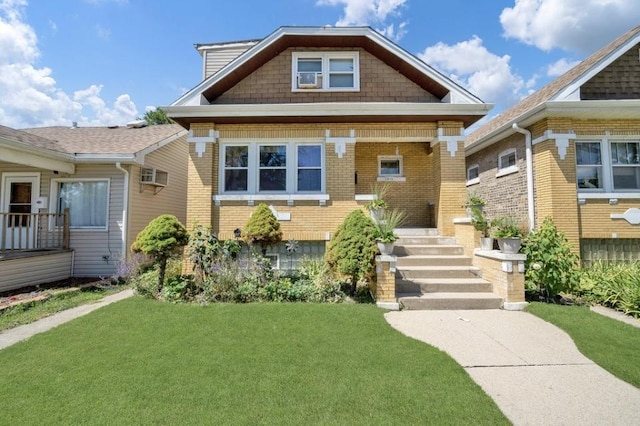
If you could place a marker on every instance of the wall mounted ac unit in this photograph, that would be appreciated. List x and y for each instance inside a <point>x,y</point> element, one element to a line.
<point>307,80</point>
<point>152,176</point>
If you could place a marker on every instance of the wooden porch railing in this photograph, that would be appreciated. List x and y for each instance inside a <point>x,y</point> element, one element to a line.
<point>34,231</point>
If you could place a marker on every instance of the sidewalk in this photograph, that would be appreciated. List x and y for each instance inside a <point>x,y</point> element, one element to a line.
<point>530,368</point>
<point>23,332</point>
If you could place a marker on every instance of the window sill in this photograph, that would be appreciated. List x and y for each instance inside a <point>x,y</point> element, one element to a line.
<point>507,171</point>
<point>335,89</point>
<point>392,179</point>
<point>605,195</point>
<point>473,181</point>
<point>289,198</point>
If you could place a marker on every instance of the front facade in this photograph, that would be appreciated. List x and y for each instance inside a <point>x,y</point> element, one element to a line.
<point>112,181</point>
<point>308,119</point>
<point>571,151</point>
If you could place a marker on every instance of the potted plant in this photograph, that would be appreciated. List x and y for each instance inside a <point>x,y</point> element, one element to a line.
<point>474,200</point>
<point>378,205</point>
<point>508,234</point>
<point>384,231</point>
<point>482,224</point>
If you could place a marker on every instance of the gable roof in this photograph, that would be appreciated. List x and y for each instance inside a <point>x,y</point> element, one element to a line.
<point>561,91</point>
<point>365,37</point>
<point>90,144</point>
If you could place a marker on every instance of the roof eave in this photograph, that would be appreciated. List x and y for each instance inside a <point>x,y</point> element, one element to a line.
<point>569,109</point>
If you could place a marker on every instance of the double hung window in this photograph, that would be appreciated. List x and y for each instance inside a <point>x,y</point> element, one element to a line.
<point>284,168</point>
<point>330,71</point>
<point>608,166</point>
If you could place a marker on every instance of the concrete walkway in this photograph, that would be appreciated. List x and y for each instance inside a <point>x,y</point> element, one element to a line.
<point>530,368</point>
<point>23,332</point>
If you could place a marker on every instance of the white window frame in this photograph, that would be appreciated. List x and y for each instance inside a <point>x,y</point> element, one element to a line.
<point>53,201</point>
<point>507,170</point>
<point>607,190</point>
<point>602,166</point>
<point>475,180</point>
<point>253,174</point>
<point>391,177</point>
<point>325,57</point>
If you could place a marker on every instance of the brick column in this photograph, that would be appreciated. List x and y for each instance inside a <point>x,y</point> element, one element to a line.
<point>506,274</point>
<point>385,288</point>
<point>449,176</point>
<point>200,187</point>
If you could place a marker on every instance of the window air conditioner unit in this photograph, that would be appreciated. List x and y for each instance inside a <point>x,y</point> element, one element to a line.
<point>151,176</point>
<point>307,80</point>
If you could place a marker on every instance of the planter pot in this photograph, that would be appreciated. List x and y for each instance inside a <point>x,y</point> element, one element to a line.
<point>486,243</point>
<point>509,245</point>
<point>385,248</point>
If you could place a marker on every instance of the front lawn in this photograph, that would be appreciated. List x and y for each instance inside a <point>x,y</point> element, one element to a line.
<point>143,362</point>
<point>613,345</point>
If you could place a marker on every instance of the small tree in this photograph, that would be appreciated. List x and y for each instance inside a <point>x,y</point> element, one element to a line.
<point>161,239</point>
<point>352,249</point>
<point>263,228</point>
<point>156,116</point>
<point>551,267</point>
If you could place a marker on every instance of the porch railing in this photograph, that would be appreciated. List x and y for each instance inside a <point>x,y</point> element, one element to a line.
<point>34,231</point>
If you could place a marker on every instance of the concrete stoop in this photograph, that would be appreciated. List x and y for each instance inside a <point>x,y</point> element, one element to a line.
<point>433,273</point>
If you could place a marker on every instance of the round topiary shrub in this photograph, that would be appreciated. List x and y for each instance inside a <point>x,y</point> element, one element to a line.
<point>263,228</point>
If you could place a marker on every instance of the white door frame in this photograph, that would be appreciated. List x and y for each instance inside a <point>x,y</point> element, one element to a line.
<point>25,236</point>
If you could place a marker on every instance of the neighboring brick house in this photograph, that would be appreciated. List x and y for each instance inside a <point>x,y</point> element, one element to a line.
<point>571,151</point>
<point>308,118</point>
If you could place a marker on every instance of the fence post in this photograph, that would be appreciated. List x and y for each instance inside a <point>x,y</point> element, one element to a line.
<point>66,236</point>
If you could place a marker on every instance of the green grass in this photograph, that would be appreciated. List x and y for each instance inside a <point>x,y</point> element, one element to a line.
<point>33,311</point>
<point>143,362</point>
<point>612,344</point>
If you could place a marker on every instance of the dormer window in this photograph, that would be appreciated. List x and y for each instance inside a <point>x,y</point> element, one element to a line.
<point>325,71</point>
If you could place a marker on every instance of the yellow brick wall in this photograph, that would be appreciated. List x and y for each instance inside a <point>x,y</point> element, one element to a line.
<point>467,237</point>
<point>595,219</point>
<point>385,288</point>
<point>412,195</point>
<point>508,285</point>
<point>201,183</point>
<point>555,189</point>
<point>450,186</point>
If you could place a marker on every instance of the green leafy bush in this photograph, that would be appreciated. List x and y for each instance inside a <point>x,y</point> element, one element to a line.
<point>352,249</point>
<point>263,228</point>
<point>205,250</point>
<point>614,285</point>
<point>161,239</point>
<point>551,266</point>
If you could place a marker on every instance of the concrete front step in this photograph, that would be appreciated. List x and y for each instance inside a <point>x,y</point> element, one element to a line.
<point>446,285</point>
<point>418,272</point>
<point>423,240</point>
<point>428,249</point>
<point>434,260</point>
<point>442,301</point>
<point>416,232</point>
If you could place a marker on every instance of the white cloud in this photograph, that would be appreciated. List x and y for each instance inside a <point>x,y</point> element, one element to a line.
<point>375,13</point>
<point>103,33</point>
<point>560,67</point>
<point>483,73</point>
<point>30,95</point>
<point>573,25</point>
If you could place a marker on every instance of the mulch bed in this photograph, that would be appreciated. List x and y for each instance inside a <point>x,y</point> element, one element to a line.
<point>39,292</point>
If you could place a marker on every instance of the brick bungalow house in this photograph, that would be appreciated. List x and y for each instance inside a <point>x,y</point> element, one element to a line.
<point>571,151</point>
<point>308,118</point>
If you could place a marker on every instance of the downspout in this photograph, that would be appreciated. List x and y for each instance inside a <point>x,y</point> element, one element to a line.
<point>529,158</point>
<point>125,204</point>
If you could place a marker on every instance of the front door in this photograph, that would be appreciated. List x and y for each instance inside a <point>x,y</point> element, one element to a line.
<point>19,196</point>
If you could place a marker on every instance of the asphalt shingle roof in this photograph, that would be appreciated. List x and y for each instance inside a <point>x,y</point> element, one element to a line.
<point>550,90</point>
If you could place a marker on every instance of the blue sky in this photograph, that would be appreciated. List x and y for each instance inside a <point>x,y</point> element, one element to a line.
<point>103,62</point>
